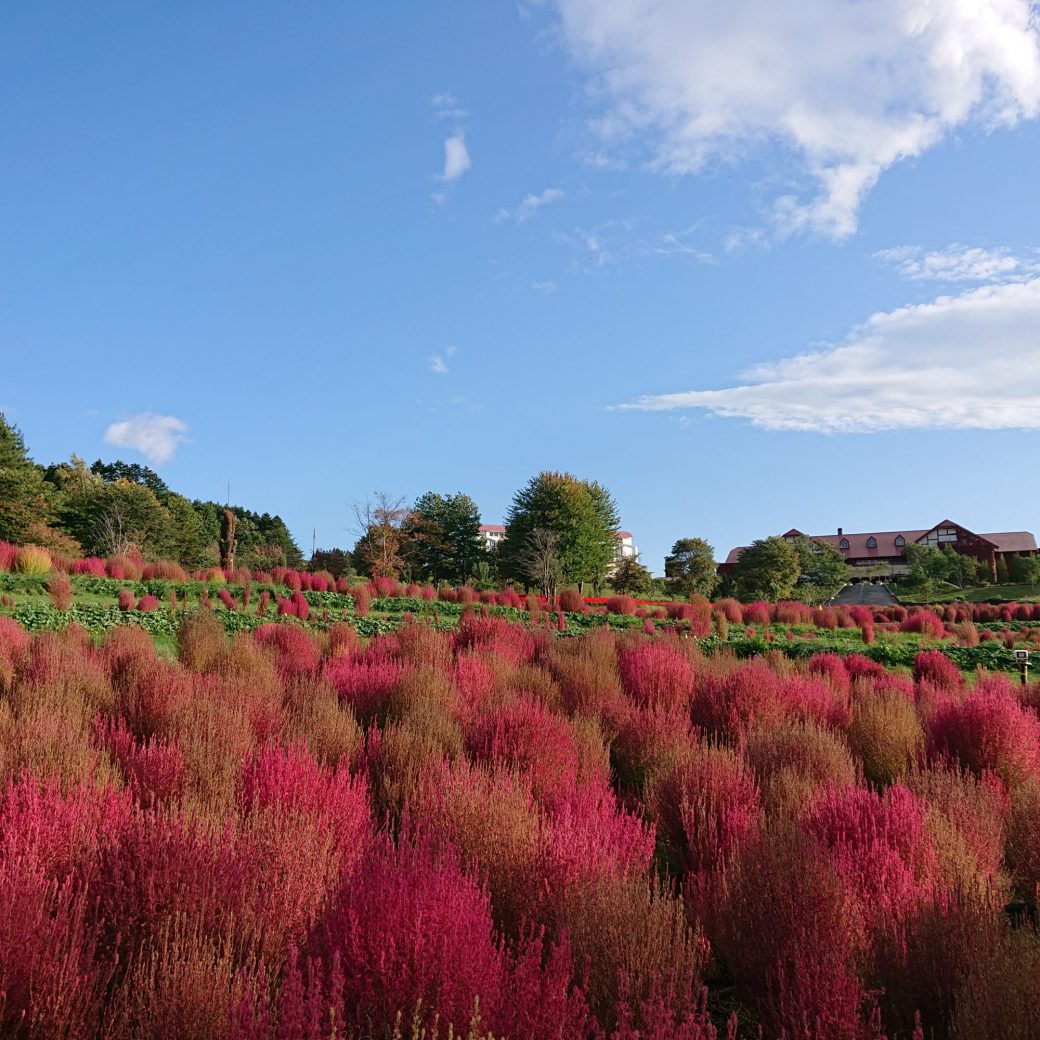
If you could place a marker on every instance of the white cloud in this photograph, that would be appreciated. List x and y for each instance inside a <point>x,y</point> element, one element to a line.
<point>438,363</point>
<point>528,206</point>
<point>958,263</point>
<point>456,158</point>
<point>849,88</point>
<point>156,437</point>
<point>961,362</point>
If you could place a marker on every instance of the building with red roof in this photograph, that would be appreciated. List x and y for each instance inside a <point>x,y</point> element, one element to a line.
<point>871,548</point>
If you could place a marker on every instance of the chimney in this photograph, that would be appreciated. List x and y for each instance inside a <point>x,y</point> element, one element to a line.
<point>840,532</point>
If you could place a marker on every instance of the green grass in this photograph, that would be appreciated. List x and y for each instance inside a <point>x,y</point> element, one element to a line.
<point>974,594</point>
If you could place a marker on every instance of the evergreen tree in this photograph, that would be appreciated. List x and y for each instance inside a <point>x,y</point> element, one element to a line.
<point>442,538</point>
<point>23,493</point>
<point>631,578</point>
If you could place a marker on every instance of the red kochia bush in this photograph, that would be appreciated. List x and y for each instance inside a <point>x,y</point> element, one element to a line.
<point>364,683</point>
<point>621,605</point>
<point>988,730</point>
<point>698,615</point>
<point>362,600</point>
<point>704,807</point>
<point>729,704</point>
<point>296,650</point>
<point>512,643</point>
<point>529,738</point>
<point>792,947</point>
<point>924,622</point>
<point>571,601</point>
<point>655,674</point>
<point>936,668</point>
<point>881,846</point>
<point>412,934</point>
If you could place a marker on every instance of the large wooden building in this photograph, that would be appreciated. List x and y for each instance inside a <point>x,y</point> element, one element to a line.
<point>870,549</point>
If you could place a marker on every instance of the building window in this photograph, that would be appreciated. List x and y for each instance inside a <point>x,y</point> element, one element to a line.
<point>900,540</point>
<point>843,544</point>
<point>871,542</point>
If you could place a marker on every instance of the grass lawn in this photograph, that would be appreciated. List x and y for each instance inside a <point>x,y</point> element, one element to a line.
<point>974,594</point>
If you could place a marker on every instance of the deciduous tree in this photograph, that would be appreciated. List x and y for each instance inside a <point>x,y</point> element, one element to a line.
<point>691,569</point>
<point>582,515</point>
<point>767,569</point>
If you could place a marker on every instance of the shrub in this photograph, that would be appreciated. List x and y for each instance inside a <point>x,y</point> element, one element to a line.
<point>792,760</point>
<point>59,588</point>
<point>656,675</point>
<point>988,730</point>
<point>924,622</point>
<point>792,948</point>
<point>887,735</point>
<point>704,808</point>
<point>571,601</point>
<point>295,650</point>
<point>936,668</point>
<point>411,933</point>
<point>200,639</point>
<point>362,601</point>
<point>32,559</point>
<point>624,605</point>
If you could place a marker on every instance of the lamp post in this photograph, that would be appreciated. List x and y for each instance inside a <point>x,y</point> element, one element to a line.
<point>1022,657</point>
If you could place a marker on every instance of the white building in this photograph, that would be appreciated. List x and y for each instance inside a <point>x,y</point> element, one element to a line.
<point>494,534</point>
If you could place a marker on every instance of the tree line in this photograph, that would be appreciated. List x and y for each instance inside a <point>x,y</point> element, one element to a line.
<point>109,509</point>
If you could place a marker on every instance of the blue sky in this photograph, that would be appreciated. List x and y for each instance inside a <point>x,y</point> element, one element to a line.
<point>752,267</point>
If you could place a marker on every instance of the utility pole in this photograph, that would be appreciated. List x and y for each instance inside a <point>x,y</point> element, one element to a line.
<point>314,542</point>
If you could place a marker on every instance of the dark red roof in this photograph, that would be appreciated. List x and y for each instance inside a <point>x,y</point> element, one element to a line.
<point>1013,541</point>
<point>493,527</point>
<point>1006,541</point>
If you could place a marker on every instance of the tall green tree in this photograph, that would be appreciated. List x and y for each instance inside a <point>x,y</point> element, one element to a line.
<point>581,514</point>
<point>23,493</point>
<point>767,569</point>
<point>824,569</point>
<point>442,538</point>
<point>690,568</point>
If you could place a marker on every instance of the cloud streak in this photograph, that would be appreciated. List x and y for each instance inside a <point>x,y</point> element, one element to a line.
<point>957,263</point>
<point>528,206</point>
<point>156,437</point>
<point>846,89</point>
<point>970,361</point>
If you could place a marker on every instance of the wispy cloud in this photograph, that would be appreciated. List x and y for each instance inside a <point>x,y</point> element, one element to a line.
<point>957,263</point>
<point>846,89</point>
<point>917,367</point>
<point>528,206</point>
<point>446,106</point>
<point>438,363</point>
<point>156,437</point>
<point>616,242</point>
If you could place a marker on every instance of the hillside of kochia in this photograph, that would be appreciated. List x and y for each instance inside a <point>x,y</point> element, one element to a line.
<point>42,591</point>
<point>495,831</point>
